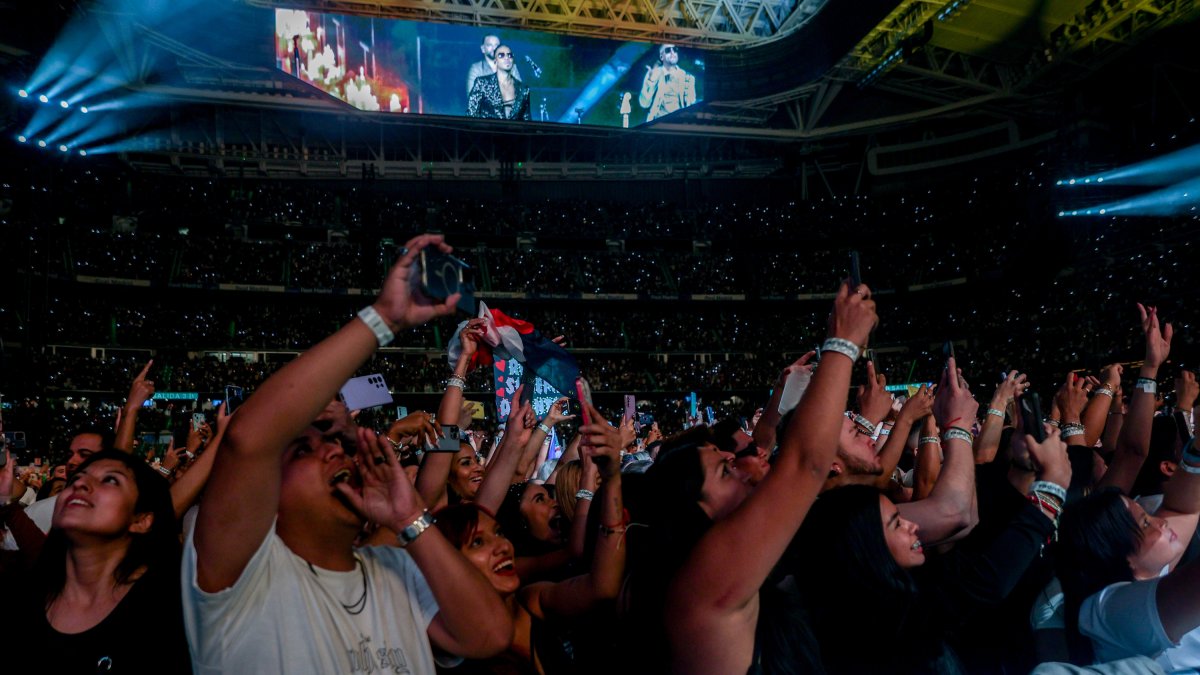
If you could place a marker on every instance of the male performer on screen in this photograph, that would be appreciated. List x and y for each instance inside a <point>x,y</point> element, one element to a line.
<point>667,87</point>
<point>487,65</point>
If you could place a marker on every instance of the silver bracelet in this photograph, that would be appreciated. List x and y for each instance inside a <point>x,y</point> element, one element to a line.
<point>415,529</point>
<point>929,440</point>
<point>1053,489</point>
<point>456,381</point>
<point>383,334</point>
<point>844,347</point>
<point>996,413</point>
<point>163,470</point>
<point>866,424</point>
<point>585,494</point>
<point>543,428</point>
<point>1069,432</point>
<point>954,433</point>
<point>1104,391</point>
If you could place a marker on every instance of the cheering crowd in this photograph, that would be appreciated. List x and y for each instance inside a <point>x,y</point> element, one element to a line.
<point>962,527</point>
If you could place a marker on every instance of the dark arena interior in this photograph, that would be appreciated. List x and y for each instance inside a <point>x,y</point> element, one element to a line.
<point>600,336</point>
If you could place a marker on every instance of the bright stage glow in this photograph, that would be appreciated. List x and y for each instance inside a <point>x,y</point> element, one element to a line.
<point>64,104</point>
<point>82,153</point>
<point>41,144</point>
<point>43,99</point>
<point>62,148</point>
<point>83,109</point>
<point>21,139</point>
<point>22,93</point>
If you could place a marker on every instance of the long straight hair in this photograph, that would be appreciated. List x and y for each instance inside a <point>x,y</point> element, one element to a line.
<point>154,549</point>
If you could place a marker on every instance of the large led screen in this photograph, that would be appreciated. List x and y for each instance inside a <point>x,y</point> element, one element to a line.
<point>386,65</point>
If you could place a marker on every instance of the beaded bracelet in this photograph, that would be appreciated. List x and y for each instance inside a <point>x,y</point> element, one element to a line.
<point>456,381</point>
<point>996,413</point>
<point>585,494</point>
<point>932,440</point>
<point>1103,391</point>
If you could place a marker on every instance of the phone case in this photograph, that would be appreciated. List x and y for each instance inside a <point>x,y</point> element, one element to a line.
<point>365,392</point>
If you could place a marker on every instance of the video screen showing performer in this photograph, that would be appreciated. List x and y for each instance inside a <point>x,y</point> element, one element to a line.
<point>408,67</point>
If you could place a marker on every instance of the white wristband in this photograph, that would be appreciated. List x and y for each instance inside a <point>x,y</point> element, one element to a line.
<point>383,334</point>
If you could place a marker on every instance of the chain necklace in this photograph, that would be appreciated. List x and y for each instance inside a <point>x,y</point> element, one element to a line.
<point>359,605</point>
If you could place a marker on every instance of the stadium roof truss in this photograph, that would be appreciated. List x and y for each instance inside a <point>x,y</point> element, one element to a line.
<point>702,23</point>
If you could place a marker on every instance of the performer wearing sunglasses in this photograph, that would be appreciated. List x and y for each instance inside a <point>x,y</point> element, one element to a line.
<point>667,87</point>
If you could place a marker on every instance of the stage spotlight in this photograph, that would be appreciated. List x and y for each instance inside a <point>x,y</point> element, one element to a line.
<point>1071,182</point>
<point>1100,179</point>
<point>43,99</point>
<point>83,109</point>
<point>22,93</point>
<point>1102,211</point>
<point>82,153</point>
<point>1059,183</point>
<point>21,139</point>
<point>1061,214</point>
<point>62,148</point>
<point>41,144</point>
<point>64,104</point>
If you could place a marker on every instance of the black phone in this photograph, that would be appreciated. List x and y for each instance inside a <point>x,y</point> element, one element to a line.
<point>948,349</point>
<point>1031,416</point>
<point>234,397</point>
<point>855,271</point>
<point>441,275</point>
<point>871,358</point>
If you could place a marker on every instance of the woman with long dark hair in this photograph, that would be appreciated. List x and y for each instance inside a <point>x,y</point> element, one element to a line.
<point>864,576</point>
<point>110,564</point>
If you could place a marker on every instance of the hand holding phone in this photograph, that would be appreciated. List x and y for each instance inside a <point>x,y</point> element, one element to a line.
<point>583,391</point>
<point>855,271</point>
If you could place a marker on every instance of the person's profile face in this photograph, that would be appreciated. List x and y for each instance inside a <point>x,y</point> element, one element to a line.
<point>489,46</point>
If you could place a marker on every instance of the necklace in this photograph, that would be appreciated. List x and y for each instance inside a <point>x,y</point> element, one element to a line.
<point>359,605</point>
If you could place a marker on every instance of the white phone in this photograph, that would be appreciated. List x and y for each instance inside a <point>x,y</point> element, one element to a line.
<point>364,392</point>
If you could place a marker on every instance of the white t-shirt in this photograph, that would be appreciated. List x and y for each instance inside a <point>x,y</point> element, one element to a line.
<point>284,616</point>
<point>41,513</point>
<point>1122,621</point>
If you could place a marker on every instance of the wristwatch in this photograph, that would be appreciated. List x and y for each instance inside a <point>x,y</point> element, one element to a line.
<point>414,530</point>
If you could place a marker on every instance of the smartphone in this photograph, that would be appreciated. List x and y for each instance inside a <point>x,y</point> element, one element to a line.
<point>368,391</point>
<point>872,359</point>
<point>1031,416</point>
<point>710,415</point>
<point>234,396</point>
<point>793,389</point>
<point>948,349</point>
<point>630,407</point>
<point>692,403</point>
<point>584,392</point>
<point>197,421</point>
<point>855,271</point>
<point>401,412</point>
<point>451,437</point>
<point>566,407</point>
<point>441,275</point>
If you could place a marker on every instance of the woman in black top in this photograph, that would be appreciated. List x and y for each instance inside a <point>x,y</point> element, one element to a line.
<point>105,595</point>
<point>500,96</point>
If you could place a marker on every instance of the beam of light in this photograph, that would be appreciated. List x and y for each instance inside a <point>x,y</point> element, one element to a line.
<point>22,138</point>
<point>1165,170</point>
<point>44,99</point>
<point>1179,199</point>
<point>624,58</point>
<point>44,119</point>
<point>41,144</point>
<point>22,93</point>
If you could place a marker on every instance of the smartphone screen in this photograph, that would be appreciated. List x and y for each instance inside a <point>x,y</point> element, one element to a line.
<point>233,398</point>
<point>855,271</point>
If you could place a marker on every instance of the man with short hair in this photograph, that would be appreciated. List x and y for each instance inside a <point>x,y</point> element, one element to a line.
<point>666,87</point>
<point>272,579</point>
<point>487,65</point>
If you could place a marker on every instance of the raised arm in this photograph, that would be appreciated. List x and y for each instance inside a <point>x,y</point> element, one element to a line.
<point>948,509</point>
<point>245,479</point>
<point>140,391</point>
<point>916,408</point>
<point>186,489</point>
<point>705,598</point>
<point>435,467</point>
<point>768,423</point>
<point>987,444</point>
<point>502,464</point>
<point>874,400</point>
<point>579,594</point>
<point>1095,415</point>
<point>1133,445</point>
<point>472,620</point>
<point>537,440</point>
